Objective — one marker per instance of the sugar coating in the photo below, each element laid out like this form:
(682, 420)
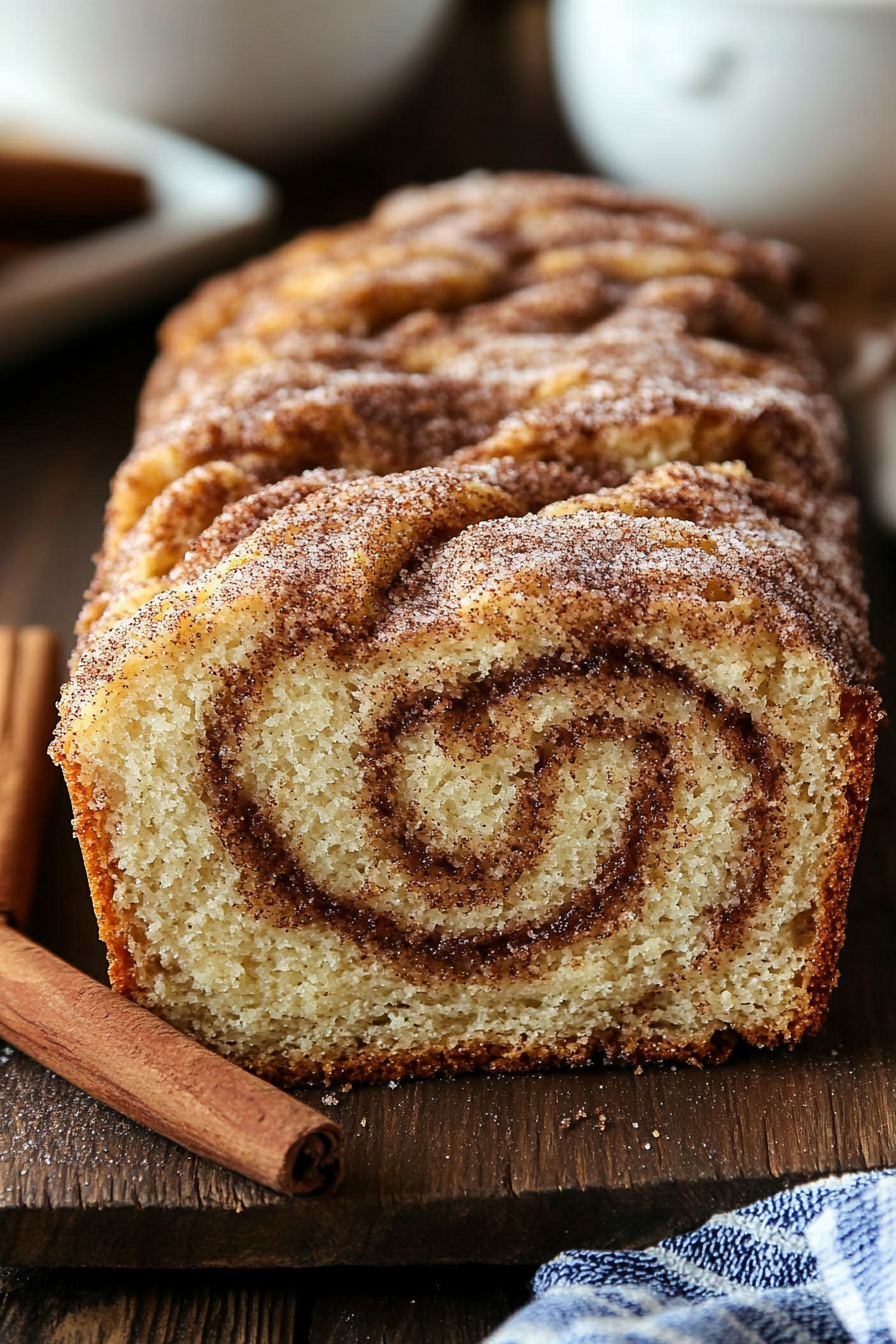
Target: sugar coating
(522, 315)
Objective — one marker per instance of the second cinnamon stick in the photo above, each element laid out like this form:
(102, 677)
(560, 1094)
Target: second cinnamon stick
(28, 688)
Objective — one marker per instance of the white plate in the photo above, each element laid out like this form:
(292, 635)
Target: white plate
(207, 209)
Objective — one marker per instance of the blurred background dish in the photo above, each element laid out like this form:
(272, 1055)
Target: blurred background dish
(191, 209)
(48, 196)
(778, 116)
(263, 79)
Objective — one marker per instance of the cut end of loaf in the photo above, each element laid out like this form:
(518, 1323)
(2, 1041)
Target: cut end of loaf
(406, 784)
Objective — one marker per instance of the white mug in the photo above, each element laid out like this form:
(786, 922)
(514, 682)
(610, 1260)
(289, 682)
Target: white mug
(262, 78)
(776, 116)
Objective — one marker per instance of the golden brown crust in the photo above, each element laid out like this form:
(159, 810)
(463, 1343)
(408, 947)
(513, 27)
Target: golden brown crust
(200, 518)
(728, 495)
(525, 315)
(371, 1066)
(319, 534)
(861, 710)
(102, 873)
(192, 523)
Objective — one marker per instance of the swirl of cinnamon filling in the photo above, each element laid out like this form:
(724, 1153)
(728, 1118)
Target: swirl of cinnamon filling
(445, 875)
(397, 775)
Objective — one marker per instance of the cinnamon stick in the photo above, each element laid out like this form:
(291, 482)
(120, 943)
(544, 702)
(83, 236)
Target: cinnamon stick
(28, 685)
(47, 196)
(138, 1064)
(112, 1048)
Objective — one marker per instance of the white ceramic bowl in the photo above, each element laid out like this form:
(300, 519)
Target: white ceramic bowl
(260, 78)
(778, 116)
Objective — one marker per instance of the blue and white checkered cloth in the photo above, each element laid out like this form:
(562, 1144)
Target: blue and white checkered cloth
(815, 1265)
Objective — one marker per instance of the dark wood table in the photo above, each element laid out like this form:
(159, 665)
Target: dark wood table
(531, 1165)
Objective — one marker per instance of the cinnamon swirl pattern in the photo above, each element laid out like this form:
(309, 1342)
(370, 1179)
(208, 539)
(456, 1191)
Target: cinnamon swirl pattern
(422, 772)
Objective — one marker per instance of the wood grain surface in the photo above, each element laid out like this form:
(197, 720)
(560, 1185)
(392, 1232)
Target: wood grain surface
(479, 1169)
(98, 1308)
(454, 1306)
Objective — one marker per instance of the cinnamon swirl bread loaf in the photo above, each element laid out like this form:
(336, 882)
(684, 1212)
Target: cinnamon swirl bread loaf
(515, 754)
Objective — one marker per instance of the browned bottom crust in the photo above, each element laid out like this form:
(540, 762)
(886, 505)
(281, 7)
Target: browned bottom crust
(486, 1057)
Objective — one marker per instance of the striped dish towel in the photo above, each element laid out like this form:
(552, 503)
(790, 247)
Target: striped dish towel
(815, 1265)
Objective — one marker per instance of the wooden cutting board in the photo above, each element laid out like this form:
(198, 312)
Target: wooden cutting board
(496, 1169)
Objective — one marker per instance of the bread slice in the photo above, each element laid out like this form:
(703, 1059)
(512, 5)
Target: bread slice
(401, 777)
(524, 315)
